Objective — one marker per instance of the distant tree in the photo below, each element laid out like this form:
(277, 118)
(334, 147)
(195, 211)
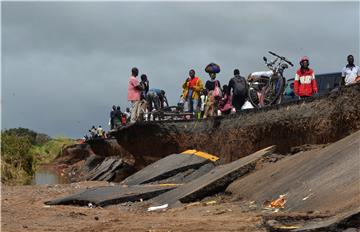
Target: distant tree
(41, 139)
(34, 137)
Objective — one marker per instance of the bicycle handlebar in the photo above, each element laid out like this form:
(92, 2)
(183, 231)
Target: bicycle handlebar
(281, 57)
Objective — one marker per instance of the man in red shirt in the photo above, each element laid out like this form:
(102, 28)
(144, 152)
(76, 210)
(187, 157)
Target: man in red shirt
(305, 83)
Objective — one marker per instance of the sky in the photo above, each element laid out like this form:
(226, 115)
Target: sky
(64, 64)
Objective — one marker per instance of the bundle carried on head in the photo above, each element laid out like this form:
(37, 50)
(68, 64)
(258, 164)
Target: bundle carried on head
(212, 68)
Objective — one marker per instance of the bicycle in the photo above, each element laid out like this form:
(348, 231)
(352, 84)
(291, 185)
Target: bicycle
(267, 87)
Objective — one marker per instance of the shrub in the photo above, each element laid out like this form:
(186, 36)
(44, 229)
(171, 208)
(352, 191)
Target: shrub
(17, 164)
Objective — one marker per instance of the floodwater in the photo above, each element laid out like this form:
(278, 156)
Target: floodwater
(45, 175)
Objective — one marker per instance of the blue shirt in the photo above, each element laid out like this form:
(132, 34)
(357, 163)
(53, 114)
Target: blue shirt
(157, 91)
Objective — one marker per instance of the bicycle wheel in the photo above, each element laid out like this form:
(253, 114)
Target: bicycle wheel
(274, 90)
(253, 97)
(254, 90)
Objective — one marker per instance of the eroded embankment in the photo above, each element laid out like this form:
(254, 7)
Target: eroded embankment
(80, 160)
(315, 121)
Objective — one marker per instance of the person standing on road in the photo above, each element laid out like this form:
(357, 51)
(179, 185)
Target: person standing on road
(351, 72)
(117, 118)
(214, 94)
(192, 87)
(305, 83)
(145, 86)
(225, 105)
(134, 91)
(100, 132)
(239, 87)
(112, 117)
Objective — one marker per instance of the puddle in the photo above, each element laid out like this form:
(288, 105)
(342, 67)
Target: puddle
(45, 175)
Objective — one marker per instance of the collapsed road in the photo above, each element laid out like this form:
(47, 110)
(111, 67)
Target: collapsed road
(133, 189)
(306, 122)
(310, 180)
(322, 180)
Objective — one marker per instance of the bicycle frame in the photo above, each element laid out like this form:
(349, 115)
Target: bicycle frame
(274, 82)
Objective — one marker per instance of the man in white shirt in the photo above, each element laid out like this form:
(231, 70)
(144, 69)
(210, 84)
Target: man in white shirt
(351, 72)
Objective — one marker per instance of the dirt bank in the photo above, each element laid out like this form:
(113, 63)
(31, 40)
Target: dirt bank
(77, 160)
(314, 121)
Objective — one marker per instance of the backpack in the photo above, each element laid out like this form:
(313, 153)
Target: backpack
(240, 86)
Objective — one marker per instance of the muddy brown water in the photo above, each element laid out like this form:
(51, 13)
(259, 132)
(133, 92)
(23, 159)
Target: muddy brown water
(45, 175)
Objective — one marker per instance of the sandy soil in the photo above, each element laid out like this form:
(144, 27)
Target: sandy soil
(23, 210)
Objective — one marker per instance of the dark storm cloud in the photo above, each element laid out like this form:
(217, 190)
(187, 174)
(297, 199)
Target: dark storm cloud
(65, 63)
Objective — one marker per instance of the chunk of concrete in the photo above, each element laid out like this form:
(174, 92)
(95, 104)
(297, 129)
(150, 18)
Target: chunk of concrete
(212, 182)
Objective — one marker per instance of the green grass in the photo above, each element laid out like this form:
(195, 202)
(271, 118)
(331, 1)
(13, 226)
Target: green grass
(47, 152)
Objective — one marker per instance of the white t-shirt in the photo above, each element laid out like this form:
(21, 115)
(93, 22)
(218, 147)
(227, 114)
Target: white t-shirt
(350, 74)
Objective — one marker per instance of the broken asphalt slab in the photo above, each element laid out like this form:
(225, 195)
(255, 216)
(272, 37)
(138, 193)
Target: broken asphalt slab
(212, 182)
(167, 167)
(309, 222)
(108, 195)
(324, 180)
(105, 170)
(187, 176)
(346, 220)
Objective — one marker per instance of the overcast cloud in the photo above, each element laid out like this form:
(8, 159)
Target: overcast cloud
(64, 64)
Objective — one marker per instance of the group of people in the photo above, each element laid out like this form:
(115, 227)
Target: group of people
(143, 98)
(118, 118)
(95, 133)
(213, 99)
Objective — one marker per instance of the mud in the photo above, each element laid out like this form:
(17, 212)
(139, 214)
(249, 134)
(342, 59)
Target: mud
(21, 201)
